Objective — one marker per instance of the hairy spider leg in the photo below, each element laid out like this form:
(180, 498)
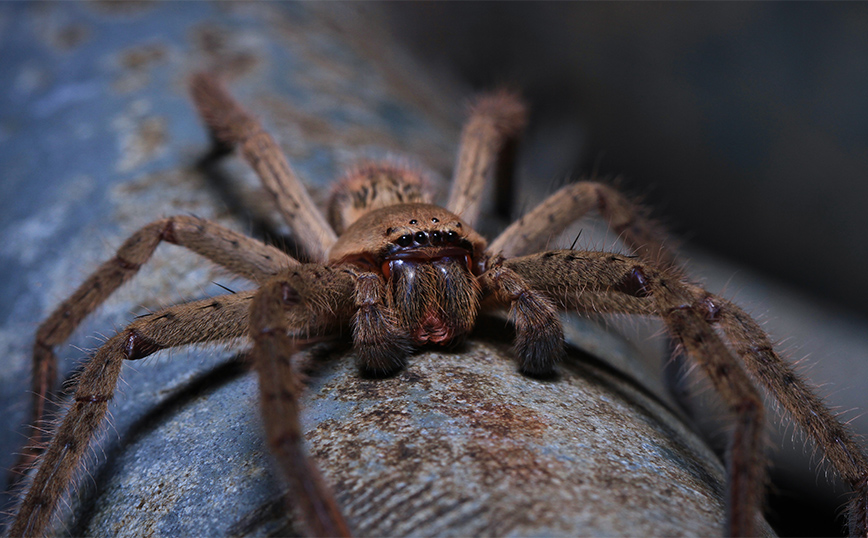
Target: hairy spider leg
(595, 282)
(231, 125)
(300, 290)
(765, 366)
(238, 253)
(630, 221)
(495, 119)
(216, 319)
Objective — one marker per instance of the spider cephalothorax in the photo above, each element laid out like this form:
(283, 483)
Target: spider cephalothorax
(403, 273)
(429, 260)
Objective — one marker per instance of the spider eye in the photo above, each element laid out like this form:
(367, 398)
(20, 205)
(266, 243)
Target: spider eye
(405, 240)
(436, 237)
(451, 236)
(421, 238)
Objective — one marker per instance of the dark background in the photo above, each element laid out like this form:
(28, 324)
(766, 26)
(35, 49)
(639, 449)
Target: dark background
(744, 125)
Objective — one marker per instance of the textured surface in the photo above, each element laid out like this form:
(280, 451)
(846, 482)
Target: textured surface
(458, 444)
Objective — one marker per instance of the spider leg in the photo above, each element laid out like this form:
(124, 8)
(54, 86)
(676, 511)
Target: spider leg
(219, 318)
(280, 389)
(531, 232)
(380, 345)
(238, 253)
(608, 283)
(806, 408)
(231, 125)
(539, 336)
(494, 119)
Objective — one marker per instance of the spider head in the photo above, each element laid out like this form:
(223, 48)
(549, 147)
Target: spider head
(429, 259)
(421, 233)
(435, 238)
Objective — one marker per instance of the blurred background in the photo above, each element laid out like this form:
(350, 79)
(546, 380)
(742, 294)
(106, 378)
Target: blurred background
(744, 125)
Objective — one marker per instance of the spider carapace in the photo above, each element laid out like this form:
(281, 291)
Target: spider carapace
(430, 260)
(403, 273)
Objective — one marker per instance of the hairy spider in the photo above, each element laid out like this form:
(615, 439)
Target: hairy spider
(403, 273)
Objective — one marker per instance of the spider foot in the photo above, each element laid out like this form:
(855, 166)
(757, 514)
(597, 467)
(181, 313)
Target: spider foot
(383, 359)
(540, 350)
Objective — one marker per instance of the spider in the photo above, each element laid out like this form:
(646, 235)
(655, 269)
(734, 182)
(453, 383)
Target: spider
(404, 273)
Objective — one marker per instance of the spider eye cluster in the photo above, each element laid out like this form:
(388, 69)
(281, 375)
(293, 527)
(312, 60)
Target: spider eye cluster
(434, 237)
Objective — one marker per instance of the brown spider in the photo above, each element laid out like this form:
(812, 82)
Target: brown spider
(404, 273)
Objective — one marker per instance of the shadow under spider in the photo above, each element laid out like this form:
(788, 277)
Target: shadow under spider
(225, 188)
(199, 386)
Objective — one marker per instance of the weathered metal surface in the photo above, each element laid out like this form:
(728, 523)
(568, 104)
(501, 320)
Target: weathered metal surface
(457, 444)
(99, 139)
